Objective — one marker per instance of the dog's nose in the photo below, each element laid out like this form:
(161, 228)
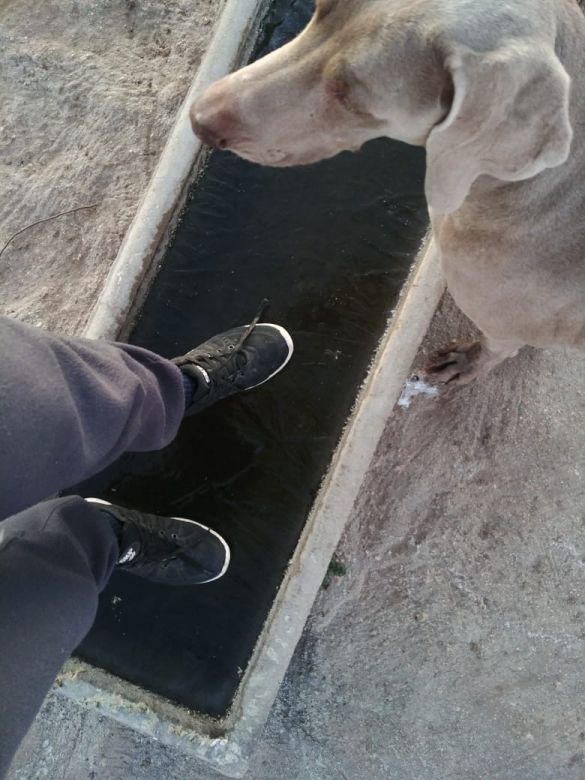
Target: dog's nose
(213, 117)
(208, 134)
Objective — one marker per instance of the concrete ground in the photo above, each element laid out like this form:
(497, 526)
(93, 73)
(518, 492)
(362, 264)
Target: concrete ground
(453, 645)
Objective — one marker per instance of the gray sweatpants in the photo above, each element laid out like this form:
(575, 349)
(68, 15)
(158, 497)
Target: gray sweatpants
(68, 408)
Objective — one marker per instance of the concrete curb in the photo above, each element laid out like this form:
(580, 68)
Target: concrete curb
(337, 496)
(171, 177)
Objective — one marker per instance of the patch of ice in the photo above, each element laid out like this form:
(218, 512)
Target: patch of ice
(416, 386)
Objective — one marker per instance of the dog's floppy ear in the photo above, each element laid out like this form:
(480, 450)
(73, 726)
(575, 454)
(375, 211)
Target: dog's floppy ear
(509, 119)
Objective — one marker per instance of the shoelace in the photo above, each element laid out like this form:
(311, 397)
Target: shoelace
(149, 539)
(151, 548)
(156, 544)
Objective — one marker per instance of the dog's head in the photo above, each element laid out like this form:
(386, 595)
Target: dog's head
(479, 84)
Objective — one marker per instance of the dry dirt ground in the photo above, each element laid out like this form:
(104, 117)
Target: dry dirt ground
(88, 92)
(453, 646)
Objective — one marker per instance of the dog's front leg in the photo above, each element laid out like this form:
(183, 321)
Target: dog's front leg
(458, 364)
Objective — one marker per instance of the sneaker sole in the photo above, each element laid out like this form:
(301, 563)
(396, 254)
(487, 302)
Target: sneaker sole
(291, 348)
(228, 554)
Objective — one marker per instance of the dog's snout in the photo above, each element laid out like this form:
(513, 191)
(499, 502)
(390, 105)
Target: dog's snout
(208, 134)
(213, 117)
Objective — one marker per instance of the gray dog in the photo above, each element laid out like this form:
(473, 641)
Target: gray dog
(495, 91)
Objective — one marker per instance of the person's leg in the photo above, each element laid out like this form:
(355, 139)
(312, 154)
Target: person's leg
(70, 407)
(55, 558)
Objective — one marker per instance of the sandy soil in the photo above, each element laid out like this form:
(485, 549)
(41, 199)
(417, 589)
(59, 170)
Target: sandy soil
(88, 92)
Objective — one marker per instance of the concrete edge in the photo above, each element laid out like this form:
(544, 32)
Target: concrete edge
(337, 496)
(152, 715)
(173, 172)
(227, 745)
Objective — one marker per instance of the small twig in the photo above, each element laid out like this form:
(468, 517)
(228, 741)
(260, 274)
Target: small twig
(259, 314)
(47, 219)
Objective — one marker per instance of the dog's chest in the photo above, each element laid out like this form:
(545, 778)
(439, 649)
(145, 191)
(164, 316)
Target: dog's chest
(511, 291)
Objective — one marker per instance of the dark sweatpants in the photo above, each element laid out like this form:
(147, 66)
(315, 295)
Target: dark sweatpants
(68, 408)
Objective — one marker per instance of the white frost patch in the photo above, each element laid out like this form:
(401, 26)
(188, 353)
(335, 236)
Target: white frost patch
(416, 386)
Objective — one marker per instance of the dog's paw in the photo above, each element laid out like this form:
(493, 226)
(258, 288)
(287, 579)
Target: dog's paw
(456, 364)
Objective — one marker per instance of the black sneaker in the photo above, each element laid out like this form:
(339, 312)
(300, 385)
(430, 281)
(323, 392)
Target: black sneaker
(168, 550)
(235, 361)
